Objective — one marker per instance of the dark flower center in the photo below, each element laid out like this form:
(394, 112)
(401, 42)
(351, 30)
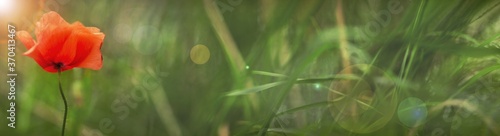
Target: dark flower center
(58, 65)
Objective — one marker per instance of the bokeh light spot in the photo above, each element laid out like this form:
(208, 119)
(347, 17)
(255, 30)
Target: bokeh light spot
(412, 112)
(122, 33)
(6, 6)
(200, 54)
(317, 86)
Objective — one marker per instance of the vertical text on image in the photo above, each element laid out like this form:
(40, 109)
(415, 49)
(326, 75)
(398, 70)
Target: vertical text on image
(11, 75)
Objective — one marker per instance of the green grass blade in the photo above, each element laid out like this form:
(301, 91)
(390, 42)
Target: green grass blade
(304, 107)
(254, 89)
(265, 73)
(476, 77)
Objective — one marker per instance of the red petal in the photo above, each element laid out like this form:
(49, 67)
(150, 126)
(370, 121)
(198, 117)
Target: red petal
(48, 23)
(96, 32)
(51, 47)
(89, 48)
(37, 56)
(32, 52)
(69, 49)
(26, 39)
(93, 29)
(93, 60)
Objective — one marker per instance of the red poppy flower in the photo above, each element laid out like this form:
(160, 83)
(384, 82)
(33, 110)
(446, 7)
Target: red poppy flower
(63, 46)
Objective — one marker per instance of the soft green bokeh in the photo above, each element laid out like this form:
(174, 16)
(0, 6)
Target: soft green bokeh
(412, 112)
(272, 66)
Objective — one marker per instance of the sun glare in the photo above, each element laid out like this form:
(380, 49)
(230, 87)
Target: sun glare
(6, 6)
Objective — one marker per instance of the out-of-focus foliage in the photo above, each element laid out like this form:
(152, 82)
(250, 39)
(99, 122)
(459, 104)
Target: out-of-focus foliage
(274, 68)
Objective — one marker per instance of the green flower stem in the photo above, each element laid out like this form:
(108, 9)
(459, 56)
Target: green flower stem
(65, 103)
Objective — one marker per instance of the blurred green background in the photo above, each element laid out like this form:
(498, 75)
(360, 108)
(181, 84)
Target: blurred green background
(268, 67)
